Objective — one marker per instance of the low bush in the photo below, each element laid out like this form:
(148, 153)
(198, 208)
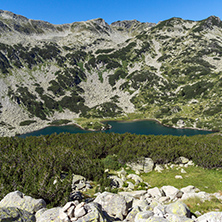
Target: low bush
(27, 122)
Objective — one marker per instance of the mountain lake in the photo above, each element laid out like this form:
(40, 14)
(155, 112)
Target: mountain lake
(141, 127)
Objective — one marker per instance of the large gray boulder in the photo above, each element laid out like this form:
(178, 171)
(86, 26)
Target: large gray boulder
(190, 189)
(116, 182)
(156, 219)
(155, 193)
(193, 192)
(73, 211)
(135, 177)
(132, 214)
(176, 218)
(143, 216)
(159, 210)
(171, 192)
(11, 214)
(178, 208)
(44, 215)
(114, 204)
(19, 200)
(145, 165)
(142, 203)
(78, 182)
(135, 194)
(210, 217)
(182, 160)
(94, 214)
(148, 165)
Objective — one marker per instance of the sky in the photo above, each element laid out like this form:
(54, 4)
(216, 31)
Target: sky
(68, 11)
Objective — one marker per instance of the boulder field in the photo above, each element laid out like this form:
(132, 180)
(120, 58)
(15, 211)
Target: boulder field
(152, 205)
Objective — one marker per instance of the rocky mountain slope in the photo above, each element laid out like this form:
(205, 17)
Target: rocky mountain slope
(170, 71)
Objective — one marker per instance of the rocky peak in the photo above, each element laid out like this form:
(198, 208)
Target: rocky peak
(213, 20)
(125, 24)
(132, 27)
(23, 25)
(208, 24)
(93, 26)
(99, 21)
(10, 15)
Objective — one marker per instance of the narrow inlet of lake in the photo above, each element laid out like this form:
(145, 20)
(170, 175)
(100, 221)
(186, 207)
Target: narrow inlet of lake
(143, 127)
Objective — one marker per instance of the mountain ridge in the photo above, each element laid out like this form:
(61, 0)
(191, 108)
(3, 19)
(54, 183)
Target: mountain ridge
(169, 71)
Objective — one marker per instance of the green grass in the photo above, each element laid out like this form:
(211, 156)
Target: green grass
(204, 179)
(90, 124)
(197, 204)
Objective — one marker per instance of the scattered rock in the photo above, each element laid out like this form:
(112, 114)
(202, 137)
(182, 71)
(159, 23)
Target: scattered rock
(132, 214)
(94, 214)
(135, 177)
(178, 208)
(142, 204)
(143, 165)
(80, 210)
(183, 171)
(78, 182)
(116, 182)
(19, 200)
(138, 172)
(134, 194)
(180, 123)
(182, 160)
(130, 185)
(171, 192)
(157, 219)
(164, 199)
(148, 165)
(159, 211)
(76, 195)
(178, 177)
(114, 204)
(210, 217)
(155, 192)
(158, 168)
(139, 206)
(190, 189)
(176, 218)
(9, 214)
(143, 216)
(122, 173)
(190, 163)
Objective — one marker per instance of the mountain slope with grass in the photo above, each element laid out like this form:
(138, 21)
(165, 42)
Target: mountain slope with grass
(170, 71)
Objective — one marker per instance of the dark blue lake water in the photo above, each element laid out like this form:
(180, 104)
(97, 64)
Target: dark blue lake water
(136, 127)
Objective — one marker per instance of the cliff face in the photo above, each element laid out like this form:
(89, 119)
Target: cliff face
(170, 71)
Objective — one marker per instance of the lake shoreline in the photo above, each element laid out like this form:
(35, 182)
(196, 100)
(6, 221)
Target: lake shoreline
(174, 127)
(117, 121)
